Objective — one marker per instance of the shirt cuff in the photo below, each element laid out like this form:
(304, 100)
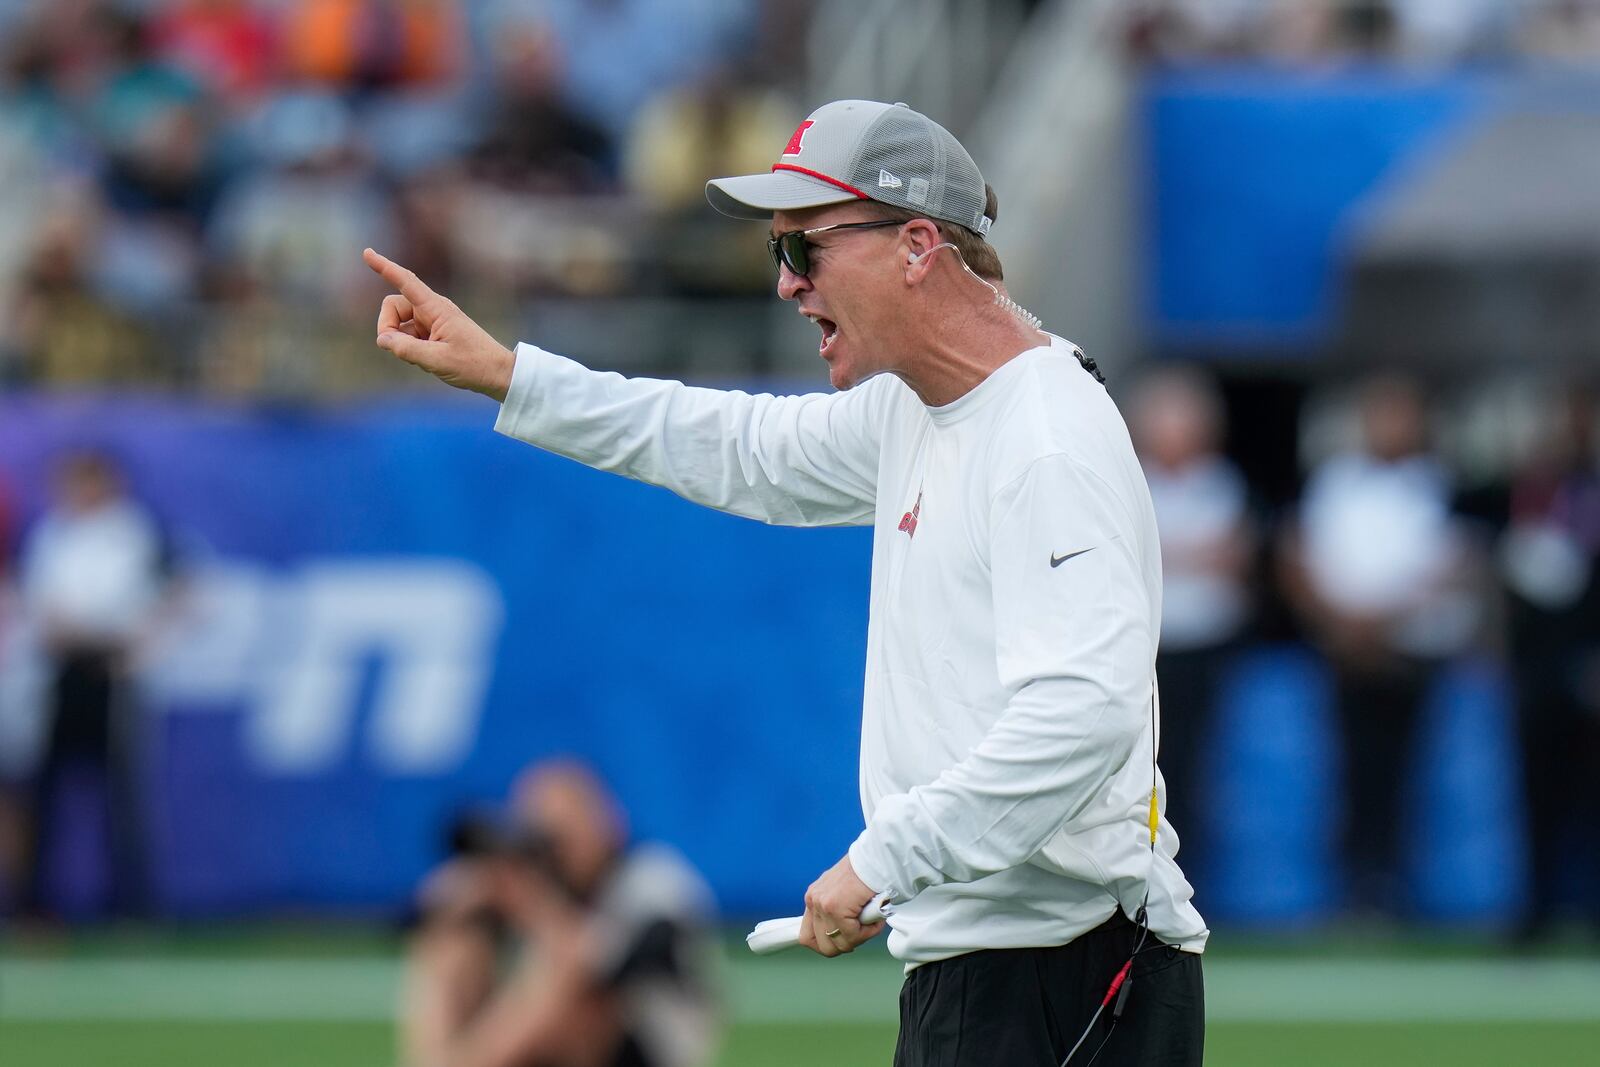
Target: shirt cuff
(877, 875)
(521, 407)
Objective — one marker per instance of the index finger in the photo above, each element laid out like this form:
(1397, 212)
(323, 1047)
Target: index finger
(409, 284)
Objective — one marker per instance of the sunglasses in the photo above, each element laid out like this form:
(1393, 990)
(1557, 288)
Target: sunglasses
(792, 250)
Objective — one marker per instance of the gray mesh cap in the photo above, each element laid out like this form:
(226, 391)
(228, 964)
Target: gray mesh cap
(863, 150)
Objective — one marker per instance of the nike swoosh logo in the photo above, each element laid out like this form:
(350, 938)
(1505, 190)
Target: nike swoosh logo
(1056, 561)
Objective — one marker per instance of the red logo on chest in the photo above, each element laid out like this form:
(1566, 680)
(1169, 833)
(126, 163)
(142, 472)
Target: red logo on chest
(909, 523)
(793, 147)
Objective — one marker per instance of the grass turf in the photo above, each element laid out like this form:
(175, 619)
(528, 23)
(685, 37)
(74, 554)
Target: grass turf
(264, 996)
(365, 1044)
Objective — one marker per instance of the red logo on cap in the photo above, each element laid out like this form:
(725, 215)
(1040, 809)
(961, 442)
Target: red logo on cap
(793, 147)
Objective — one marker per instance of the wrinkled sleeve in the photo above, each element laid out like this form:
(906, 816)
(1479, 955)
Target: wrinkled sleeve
(809, 460)
(1075, 646)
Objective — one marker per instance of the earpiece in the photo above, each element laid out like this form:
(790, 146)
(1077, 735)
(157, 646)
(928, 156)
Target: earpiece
(913, 257)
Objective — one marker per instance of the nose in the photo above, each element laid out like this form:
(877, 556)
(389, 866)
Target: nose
(790, 284)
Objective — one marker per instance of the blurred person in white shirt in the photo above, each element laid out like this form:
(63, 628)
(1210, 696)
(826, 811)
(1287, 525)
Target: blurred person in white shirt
(1207, 545)
(93, 575)
(1375, 566)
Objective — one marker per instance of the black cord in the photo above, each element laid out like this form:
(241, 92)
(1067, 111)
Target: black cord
(1103, 1042)
(1142, 917)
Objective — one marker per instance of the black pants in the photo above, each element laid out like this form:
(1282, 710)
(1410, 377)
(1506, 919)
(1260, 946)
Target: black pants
(1561, 764)
(1190, 680)
(89, 728)
(1380, 710)
(1026, 1007)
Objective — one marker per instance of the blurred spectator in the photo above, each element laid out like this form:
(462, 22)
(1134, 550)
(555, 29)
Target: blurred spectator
(719, 125)
(64, 332)
(1376, 568)
(130, 90)
(1452, 29)
(1301, 31)
(1207, 544)
(620, 53)
(92, 576)
(372, 43)
(157, 175)
(1550, 563)
(533, 142)
(25, 175)
(610, 939)
(1563, 29)
(294, 230)
(1319, 31)
(227, 46)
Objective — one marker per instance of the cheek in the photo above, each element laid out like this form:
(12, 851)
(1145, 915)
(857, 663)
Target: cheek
(860, 302)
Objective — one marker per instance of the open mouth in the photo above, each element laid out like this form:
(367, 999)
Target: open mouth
(830, 331)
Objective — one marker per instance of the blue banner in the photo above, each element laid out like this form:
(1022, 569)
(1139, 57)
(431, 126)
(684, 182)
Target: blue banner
(388, 611)
(1254, 175)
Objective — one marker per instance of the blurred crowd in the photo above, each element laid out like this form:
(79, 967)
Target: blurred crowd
(1392, 569)
(1321, 31)
(189, 183)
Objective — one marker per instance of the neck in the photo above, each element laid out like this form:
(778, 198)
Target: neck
(961, 344)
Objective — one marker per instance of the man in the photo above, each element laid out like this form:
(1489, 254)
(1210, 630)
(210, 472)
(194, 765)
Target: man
(610, 936)
(1378, 569)
(93, 575)
(1549, 565)
(1207, 545)
(1008, 729)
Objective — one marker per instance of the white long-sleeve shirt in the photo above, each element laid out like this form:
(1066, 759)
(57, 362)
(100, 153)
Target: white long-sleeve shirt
(1008, 718)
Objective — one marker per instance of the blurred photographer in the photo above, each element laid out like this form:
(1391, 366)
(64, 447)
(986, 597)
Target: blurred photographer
(550, 941)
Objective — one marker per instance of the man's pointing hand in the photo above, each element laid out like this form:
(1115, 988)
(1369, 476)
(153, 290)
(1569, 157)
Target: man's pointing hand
(425, 329)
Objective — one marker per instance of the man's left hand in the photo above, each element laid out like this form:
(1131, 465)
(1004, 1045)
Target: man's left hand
(832, 924)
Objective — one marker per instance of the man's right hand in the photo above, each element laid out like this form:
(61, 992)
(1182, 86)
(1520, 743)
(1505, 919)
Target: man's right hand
(428, 331)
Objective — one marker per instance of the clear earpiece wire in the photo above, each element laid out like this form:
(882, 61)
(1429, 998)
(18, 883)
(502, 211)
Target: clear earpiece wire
(1005, 302)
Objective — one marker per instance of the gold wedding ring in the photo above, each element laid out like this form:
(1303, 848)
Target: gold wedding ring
(830, 933)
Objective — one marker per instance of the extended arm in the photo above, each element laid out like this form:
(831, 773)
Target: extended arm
(801, 460)
(792, 460)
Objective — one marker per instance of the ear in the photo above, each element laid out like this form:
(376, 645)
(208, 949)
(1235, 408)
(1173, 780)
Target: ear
(917, 237)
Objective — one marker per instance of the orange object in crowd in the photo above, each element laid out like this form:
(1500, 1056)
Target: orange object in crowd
(371, 41)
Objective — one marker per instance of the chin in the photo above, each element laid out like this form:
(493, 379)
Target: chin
(843, 377)
(842, 371)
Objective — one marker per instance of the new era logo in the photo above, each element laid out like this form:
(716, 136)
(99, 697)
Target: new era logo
(888, 181)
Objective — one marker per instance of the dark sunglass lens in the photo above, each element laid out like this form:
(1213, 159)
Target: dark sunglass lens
(793, 247)
(772, 250)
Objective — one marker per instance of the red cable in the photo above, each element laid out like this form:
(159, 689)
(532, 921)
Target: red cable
(1116, 983)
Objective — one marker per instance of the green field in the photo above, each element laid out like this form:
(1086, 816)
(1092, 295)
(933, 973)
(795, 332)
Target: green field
(266, 998)
(162, 1044)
